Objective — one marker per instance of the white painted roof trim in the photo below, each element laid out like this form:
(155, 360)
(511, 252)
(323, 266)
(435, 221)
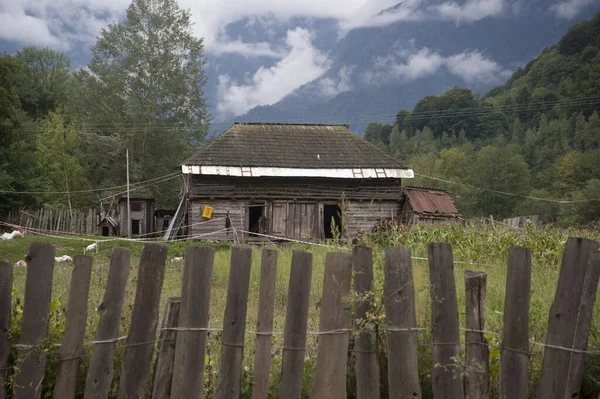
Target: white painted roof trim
(358, 173)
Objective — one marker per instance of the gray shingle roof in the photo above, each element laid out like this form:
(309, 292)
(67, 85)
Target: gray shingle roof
(291, 146)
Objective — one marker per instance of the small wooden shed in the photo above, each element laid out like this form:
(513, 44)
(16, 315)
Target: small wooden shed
(141, 220)
(294, 181)
(427, 206)
(108, 227)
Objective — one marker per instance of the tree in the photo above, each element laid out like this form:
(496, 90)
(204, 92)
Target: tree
(44, 80)
(59, 168)
(145, 83)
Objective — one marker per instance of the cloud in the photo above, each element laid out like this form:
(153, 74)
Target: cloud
(330, 87)
(261, 49)
(568, 9)
(471, 66)
(302, 64)
(471, 10)
(37, 32)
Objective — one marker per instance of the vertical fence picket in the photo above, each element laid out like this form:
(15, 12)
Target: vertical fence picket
(444, 323)
(234, 324)
(569, 319)
(477, 353)
(367, 365)
(515, 338)
(31, 363)
(264, 324)
(399, 302)
(144, 320)
(101, 370)
(6, 280)
(296, 323)
(332, 357)
(163, 371)
(72, 343)
(188, 370)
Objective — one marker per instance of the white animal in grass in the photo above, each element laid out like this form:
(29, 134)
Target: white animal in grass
(64, 258)
(177, 259)
(20, 263)
(92, 247)
(10, 236)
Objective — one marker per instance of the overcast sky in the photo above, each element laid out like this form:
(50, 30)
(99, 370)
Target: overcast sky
(69, 24)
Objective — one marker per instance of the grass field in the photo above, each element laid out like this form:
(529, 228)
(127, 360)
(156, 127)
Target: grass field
(477, 247)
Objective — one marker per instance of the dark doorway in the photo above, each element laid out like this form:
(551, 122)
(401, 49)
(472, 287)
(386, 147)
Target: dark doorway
(332, 212)
(135, 227)
(105, 231)
(256, 219)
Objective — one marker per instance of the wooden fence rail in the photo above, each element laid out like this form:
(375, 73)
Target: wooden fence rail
(178, 370)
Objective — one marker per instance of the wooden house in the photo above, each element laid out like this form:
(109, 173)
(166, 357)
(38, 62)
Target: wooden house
(288, 180)
(427, 206)
(141, 219)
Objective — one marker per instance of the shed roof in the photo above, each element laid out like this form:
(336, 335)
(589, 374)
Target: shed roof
(109, 220)
(291, 146)
(424, 200)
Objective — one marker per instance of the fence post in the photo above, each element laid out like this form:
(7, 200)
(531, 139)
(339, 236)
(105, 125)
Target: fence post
(569, 320)
(190, 350)
(163, 372)
(72, 343)
(101, 371)
(365, 345)
(34, 326)
(332, 357)
(399, 302)
(296, 323)
(477, 353)
(444, 323)
(144, 319)
(234, 324)
(515, 338)
(6, 279)
(264, 324)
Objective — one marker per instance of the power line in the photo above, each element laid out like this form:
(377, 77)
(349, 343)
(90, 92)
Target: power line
(507, 193)
(170, 175)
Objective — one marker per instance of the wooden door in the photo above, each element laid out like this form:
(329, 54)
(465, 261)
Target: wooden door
(279, 218)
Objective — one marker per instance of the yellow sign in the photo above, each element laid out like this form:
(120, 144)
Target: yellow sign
(207, 212)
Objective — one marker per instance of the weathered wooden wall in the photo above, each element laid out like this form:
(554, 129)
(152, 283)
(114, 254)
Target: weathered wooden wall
(298, 189)
(363, 216)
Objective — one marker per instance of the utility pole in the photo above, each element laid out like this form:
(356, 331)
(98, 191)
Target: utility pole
(128, 205)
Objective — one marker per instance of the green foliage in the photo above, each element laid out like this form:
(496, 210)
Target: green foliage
(537, 136)
(144, 91)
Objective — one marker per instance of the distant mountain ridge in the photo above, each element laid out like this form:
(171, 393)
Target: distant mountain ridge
(509, 41)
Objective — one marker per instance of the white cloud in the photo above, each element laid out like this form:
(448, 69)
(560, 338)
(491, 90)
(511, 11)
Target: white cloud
(37, 32)
(330, 87)
(568, 9)
(302, 64)
(471, 10)
(261, 49)
(471, 66)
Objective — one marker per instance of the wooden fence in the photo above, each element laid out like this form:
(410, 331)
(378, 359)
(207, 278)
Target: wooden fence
(62, 220)
(179, 366)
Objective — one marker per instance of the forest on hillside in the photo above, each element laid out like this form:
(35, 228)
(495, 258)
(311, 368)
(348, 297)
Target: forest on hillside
(537, 137)
(64, 132)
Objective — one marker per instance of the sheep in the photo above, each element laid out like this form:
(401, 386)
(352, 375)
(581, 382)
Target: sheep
(64, 258)
(10, 236)
(20, 263)
(91, 247)
(177, 259)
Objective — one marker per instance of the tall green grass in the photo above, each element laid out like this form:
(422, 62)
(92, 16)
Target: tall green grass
(476, 247)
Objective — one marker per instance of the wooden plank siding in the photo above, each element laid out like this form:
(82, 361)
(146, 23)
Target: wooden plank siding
(293, 207)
